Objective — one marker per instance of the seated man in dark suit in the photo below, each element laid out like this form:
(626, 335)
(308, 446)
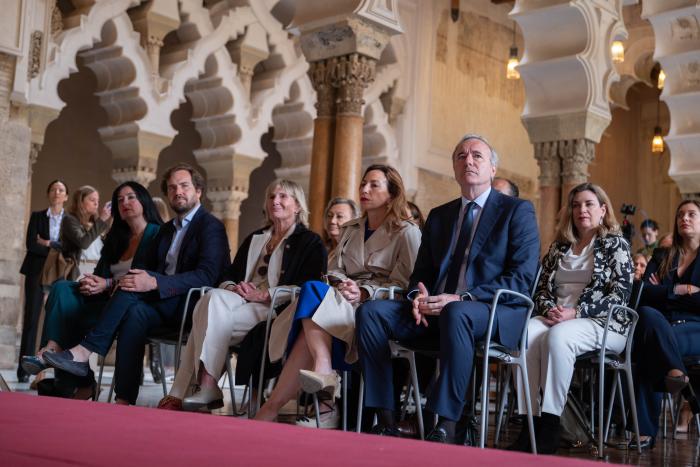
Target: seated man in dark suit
(191, 251)
(471, 247)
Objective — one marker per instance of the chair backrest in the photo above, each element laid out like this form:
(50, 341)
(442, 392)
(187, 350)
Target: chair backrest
(636, 295)
(533, 289)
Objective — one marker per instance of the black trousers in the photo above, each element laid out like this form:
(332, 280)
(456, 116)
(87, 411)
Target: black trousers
(659, 346)
(133, 317)
(459, 327)
(33, 299)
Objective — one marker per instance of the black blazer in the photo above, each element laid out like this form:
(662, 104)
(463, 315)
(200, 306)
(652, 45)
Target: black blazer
(503, 255)
(204, 254)
(675, 307)
(304, 259)
(36, 254)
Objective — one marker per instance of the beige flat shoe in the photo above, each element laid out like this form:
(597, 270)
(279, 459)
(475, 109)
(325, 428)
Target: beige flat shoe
(316, 383)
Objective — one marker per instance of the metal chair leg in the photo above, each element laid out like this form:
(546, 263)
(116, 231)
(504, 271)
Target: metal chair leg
(163, 376)
(502, 404)
(231, 385)
(633, 406)
(416, 393)
(360, 402)
(613, 392)
(317, 408)
(344, 384)
(99, 379)
(522, 366)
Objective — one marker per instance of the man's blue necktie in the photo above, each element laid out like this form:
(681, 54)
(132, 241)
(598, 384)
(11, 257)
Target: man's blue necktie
(458, 253)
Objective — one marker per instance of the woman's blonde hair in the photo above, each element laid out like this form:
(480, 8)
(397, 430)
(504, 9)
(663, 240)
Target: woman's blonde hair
(76, 205)
(293, 189)
(566, 230)
(397, 207)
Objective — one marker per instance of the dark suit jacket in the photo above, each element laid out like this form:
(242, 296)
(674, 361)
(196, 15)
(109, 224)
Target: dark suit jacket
(661, 297)
(204, 254)
(504, 254)
(304, 259)
(36, 254)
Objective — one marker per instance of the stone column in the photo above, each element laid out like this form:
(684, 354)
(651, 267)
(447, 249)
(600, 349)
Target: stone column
(351, 74)
(226, 205)
(15, 144)
(322, 146)
(550, 185)
(575, 157)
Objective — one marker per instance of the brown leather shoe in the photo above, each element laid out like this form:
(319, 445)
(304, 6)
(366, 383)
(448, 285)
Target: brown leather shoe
(170, 403)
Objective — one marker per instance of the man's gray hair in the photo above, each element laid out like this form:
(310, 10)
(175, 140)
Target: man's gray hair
(467, 137)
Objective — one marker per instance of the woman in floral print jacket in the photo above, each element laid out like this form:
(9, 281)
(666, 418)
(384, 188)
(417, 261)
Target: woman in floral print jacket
(587, 270)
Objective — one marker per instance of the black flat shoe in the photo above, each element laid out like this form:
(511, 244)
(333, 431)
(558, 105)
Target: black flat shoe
(64, 361)
(383, 430)
(439, 435)
(645, 444)
(675, 384)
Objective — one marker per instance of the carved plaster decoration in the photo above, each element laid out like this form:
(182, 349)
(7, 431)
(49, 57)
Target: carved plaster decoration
(248, 51)
(35, 55)
(351, 74)
(56, 21)
(686, 28)
(677, 34)
(7, 69)
(567, 81)
(547, 155)
(576, 155)
(34, 151)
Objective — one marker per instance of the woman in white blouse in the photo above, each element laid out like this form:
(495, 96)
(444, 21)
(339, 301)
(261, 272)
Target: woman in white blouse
(587, 270)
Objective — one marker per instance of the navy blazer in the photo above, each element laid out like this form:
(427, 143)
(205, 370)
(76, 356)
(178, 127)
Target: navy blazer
(36, 254)
(204, 254)
(504, 254)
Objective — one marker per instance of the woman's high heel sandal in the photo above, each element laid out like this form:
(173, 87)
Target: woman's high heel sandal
(326, 385)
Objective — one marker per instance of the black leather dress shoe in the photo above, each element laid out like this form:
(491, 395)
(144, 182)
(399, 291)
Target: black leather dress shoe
(64, 361)
(22, 377)
(32, 365)
(439, 435)
(383, 430)
(645, 444)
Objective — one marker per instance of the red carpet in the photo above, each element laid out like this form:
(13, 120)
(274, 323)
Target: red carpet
(43, 431)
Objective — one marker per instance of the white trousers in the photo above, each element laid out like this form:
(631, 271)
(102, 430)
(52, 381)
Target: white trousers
(551, 355)
(220, 319)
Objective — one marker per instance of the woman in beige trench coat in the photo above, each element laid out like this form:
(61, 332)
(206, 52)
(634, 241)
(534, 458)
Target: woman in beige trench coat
(375, 250)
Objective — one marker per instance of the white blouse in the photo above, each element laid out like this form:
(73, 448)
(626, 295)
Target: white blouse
(573, 275)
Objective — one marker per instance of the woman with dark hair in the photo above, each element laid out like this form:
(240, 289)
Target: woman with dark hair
(43, 233)
(587, 270)
(669, 322)
(284, 253)
(74, 307)
(81, 229)
(375, 250)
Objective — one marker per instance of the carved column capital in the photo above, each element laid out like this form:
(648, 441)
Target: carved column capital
(351, 74)
(320, 75)
(576, 155)
(226, 201)
(547, 156)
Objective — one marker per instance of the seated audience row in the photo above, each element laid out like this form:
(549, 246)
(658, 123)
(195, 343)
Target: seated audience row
(448, 275)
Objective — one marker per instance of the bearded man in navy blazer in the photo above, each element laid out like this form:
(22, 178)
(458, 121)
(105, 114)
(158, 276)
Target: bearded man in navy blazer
(191, 251)
(471, 247)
